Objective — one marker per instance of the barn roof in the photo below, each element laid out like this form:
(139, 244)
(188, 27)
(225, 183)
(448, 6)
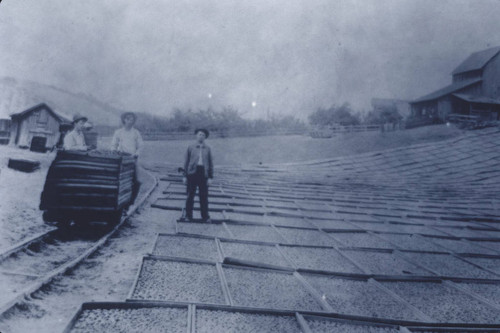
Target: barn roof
(447, 90)
(59, 117)
(477, 60)
(477, 99)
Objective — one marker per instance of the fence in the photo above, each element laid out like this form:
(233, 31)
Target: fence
(159, 136)
(329, 132)
(413, 122)
(473, 121)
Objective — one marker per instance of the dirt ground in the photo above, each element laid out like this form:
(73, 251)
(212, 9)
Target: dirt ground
(109, 274)
(20, 196)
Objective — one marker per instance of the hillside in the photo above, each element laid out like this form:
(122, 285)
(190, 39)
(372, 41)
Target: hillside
(17, 96)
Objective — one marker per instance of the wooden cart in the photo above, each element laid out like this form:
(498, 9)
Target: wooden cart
(88, 186)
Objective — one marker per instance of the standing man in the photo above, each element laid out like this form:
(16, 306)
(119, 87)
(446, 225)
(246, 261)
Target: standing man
(128, 140)
(75, 140)
(199, 168)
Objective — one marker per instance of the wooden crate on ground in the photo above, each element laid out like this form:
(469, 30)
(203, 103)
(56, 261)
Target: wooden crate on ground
(23, 165)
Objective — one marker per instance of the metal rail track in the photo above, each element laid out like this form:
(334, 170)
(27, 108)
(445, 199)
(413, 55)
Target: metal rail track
(68, 265)
(5, 253)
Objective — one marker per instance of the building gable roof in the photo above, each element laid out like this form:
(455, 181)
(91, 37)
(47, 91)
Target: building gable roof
(476, 60)
(477, 99)
(60, 118)
(447, 90)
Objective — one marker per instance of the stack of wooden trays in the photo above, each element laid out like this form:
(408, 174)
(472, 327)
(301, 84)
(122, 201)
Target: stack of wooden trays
(89, 181)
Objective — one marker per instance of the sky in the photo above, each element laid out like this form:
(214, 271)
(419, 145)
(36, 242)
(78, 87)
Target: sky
(282, 57)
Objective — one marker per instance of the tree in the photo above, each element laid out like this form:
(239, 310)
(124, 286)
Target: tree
(334, 115)
(383, 115)
(224, 121)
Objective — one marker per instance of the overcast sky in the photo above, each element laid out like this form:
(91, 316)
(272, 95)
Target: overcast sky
(287, 56)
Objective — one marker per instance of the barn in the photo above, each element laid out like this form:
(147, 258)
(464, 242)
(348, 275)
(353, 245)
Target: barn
(474, 91)
(36, 127)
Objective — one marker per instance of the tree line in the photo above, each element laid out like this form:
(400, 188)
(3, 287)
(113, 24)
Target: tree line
(225, 120)
(344, 115)
(229, 120)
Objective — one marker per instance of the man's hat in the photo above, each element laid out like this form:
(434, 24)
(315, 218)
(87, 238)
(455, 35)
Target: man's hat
(126, 114)
(77, 117)
(202, 130)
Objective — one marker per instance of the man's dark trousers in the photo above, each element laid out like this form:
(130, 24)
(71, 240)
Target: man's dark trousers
(193, 181)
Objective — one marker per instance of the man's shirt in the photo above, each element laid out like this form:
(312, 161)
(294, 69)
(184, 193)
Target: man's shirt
(75, 140)
(192, 159)
(127, 141)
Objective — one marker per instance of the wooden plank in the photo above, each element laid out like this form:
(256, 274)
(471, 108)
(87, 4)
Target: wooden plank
(220, 252)
(113, 165)
(224, 285)
(302, 323)
(136, 279)
(19, 274)
(88, 201)
(80, 208)
(94, 156)
(355, 320)
(191, 325)
(86, 195)
(74, 319)
(178, 259)
(82, 180)
(256, 264)
(70, 166)
(132, 305)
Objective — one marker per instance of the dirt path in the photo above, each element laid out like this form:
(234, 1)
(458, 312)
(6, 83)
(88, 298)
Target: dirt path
(106, 275)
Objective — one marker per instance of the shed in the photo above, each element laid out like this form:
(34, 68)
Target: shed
(39, 125)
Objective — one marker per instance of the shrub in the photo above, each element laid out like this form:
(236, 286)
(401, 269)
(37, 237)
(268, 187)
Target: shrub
(334, 115)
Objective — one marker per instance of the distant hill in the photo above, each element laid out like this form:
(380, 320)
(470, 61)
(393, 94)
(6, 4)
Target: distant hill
(17, 95)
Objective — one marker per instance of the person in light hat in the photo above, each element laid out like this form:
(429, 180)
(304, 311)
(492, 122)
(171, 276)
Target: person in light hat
(75, 140)
(198, 166)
